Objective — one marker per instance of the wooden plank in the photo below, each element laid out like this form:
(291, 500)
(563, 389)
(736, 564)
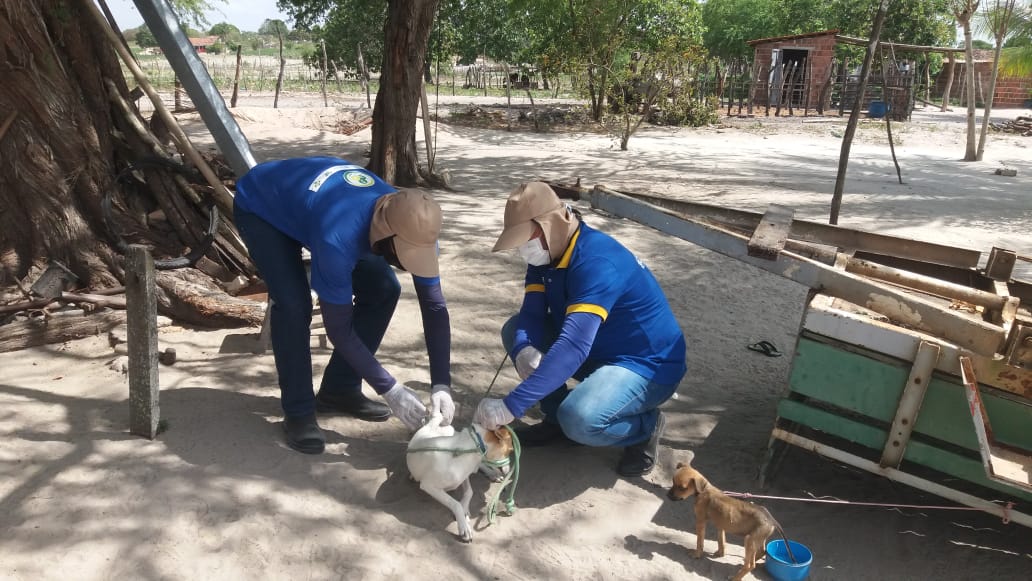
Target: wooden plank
(910, 403)
(975, 335)
(824, 318)
(142, 337)
(967, 469)
(57, 328)
(872, 386)
(819, 233)
(768, 240)
(1006, 513)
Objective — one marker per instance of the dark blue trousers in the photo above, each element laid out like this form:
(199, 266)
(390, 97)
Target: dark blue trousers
(278, 259)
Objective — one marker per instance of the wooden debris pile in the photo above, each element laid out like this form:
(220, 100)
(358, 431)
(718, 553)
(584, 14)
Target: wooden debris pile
(354, 123)
(1021, 126)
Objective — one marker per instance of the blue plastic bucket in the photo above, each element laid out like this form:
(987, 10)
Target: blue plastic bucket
(877, 109)
(780, 565)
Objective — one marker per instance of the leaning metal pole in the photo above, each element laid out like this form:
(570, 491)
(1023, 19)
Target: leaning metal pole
(162, 22)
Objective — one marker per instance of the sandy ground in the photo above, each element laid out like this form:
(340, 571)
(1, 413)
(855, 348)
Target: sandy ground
(218, 495)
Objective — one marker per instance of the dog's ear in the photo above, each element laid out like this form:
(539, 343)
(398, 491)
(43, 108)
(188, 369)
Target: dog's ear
(700, 483)
(681, 465)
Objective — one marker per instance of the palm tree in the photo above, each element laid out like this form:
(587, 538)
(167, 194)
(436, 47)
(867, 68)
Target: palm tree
(997, 19)
(1016, 58)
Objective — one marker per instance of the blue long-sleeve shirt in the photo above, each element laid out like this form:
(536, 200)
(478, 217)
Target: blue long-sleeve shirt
(327, 204)
(609, 310)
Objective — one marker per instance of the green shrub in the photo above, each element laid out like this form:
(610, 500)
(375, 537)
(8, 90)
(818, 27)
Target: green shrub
(686, 113)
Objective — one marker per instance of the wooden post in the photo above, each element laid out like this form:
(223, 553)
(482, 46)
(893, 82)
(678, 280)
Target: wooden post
(282, 67)
(430, 152)
(236, 79)
(808, 82)
(177, 94)
(325, 71)
(754, 71)
(854, 115)
(845, 81)
(142, 338)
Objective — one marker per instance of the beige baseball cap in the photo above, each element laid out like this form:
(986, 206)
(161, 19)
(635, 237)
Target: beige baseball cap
(536, 202)
(414, 219)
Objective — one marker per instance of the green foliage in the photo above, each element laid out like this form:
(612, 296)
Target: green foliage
(347, 24)
(687, 113)
(273, 27)
(192, 11)
(731, 23)
(226, 31)
(1016, 59)
(145, 38)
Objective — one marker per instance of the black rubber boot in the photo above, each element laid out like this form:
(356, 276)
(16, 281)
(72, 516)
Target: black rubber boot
(304, 435)
(353, 404)
(640, 459)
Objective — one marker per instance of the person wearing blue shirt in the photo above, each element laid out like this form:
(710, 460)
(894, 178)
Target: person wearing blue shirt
(592, 312)
(356, 227)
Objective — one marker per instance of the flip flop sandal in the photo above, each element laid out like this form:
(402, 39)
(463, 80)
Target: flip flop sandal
(765, 347)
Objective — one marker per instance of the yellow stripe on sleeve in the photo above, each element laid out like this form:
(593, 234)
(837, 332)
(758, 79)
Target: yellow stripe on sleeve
(586, 308)
(534, 288)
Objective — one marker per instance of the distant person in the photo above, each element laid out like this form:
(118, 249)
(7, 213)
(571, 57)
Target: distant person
(593, 312)
(356, 227)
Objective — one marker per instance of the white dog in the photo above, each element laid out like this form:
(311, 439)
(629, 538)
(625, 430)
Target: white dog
(441, 459)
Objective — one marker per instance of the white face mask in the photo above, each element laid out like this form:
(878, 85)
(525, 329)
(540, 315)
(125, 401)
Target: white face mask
(533, 251)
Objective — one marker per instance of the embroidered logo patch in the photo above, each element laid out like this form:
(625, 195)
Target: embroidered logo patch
(359, 179)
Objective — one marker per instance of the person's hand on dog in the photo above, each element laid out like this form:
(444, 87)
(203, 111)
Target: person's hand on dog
(406, 406)
(492, 414)
(441, 403)
(526, 361)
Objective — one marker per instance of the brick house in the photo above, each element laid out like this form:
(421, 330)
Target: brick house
(1010, 91)
(201, 44)
(800, 62)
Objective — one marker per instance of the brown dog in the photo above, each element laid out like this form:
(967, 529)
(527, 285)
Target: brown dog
(728, 514)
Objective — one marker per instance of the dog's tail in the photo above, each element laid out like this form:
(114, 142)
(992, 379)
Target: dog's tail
(777, 525)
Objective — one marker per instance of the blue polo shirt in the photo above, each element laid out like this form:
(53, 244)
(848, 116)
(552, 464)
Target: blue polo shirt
(636, 329)
(326, 204)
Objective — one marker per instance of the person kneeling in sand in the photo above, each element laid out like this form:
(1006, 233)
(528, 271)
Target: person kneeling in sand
(594, 312)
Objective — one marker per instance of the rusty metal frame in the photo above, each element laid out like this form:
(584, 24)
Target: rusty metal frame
(1002, 463)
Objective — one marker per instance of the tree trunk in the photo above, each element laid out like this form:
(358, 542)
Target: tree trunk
(67, 140)
(282, 66)
(854, 113)
(970, 149)
(393, 153)
(949, 82)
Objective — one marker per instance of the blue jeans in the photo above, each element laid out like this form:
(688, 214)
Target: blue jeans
(612, 406)
(278, 258)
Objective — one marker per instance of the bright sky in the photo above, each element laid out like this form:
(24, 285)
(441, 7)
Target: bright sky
(247, 15)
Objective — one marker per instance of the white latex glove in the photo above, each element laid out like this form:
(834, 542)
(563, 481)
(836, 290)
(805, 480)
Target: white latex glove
(406, 406)
(492, 414)
(441, 403)
(526, 361)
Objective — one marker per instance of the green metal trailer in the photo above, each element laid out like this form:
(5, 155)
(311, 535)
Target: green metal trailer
(913, 361)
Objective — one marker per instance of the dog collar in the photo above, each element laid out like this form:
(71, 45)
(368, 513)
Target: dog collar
(477, 440)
